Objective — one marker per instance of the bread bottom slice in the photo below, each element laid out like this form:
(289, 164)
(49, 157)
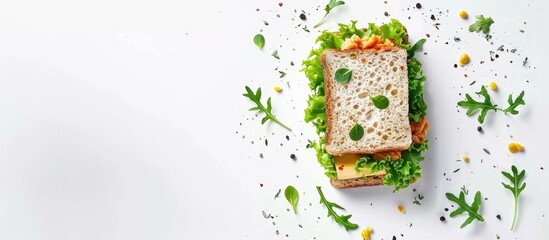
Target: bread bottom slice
(374, 180)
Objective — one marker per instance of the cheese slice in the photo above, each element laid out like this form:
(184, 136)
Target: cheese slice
(345, 167)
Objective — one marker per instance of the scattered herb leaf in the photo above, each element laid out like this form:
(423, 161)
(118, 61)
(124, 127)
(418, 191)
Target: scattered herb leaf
(486, 151)
(259, 41)
(278, 193)
(256, 98)
(472, 209)
(331, 5)
(464, 190)
(343, 219)
(292, 196)
(282, 74)
(457, 39)
(417, 199)
(482, 24)
(525, 61)
(472, 106)
(265, 215)
(356, 132)
(473, 82)
(275, 54)
(516, 189)
(380, 101)
(343, 75)
(436, 25)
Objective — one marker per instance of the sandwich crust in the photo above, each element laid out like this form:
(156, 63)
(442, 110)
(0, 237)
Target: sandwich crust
(369, 181)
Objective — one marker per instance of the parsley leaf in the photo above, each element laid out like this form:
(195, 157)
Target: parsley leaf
(472, 106)
(343, 219)
(515, 189)
(482, 24)
(256, 98)
(331, 5)
(472, 209)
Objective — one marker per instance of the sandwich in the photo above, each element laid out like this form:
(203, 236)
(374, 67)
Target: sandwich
(367, 105)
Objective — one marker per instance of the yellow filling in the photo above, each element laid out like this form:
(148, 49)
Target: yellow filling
(345, 167)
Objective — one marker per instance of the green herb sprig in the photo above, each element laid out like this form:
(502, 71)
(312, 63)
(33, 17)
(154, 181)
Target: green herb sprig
(331, 5)
(482, 24)
(259, 41)
(343, 75)
(472, 106)
(380, 102)
(343, 219)
(357, 132)
(472, 209)
(516, 189)
(292, 196)
(256, 98)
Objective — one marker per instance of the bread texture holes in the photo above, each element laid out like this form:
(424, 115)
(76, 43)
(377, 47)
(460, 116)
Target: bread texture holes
(362, 95)
(376, 124)
(391, 63)
(355, 106)
(370, 130)
(388, 87)
(385, 137)
(394, 69)
(394, 92)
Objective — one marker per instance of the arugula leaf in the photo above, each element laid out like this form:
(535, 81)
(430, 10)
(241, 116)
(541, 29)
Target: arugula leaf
(473, 106)
(514, 104)
(292, 196)
(515, 179)
(331, 5)
(380, 102)
(343, 219)
(259, 41)
(472, 209)
(482, 24)
(412, 51)
(256, 98)
(356, 133)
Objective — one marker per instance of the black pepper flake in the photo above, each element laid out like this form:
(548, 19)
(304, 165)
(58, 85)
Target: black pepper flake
(418, 5)
(302, 16)
(261, 184)
(287, 137)
(446, 209)
(292, 156)
(455, 65)
(442, 218)
(498, 217)
(433, 17)
(266, 142)
(479, 129)
(394, 238)
(486, 151)
(457, 170)
(386, 14)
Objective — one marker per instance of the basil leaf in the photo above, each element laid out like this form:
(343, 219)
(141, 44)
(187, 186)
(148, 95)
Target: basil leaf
(259, 41)
(292, 196)
(343, 75)
(380, 101)
(356, 132)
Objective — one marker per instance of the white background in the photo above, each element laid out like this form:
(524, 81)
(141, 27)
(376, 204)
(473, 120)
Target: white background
(125, 120)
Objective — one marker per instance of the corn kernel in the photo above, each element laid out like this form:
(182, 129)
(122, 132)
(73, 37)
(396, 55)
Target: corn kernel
(463, 14)
(463, 59)
(277, 89)
(466, 159)
(513, 147)
(519, 146)
(493, 86)
(366, 233)
(401, 208)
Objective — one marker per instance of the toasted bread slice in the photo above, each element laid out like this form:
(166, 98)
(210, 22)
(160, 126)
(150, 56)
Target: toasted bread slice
(374, 72)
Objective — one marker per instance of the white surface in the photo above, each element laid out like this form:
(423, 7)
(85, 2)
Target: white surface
(121, 120)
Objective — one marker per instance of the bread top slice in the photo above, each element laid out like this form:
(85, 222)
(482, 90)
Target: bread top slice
(374, 72)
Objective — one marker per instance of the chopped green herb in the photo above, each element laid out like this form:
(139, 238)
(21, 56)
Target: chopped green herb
(457, 39)
(516, 189)
(275, 54)
(472, 106)
(356, 132)
(380, 101)
(472, 209)
(331, 5)
(343, 219)
(282, 74)
(256, 98)
(486, 151)
(259, 41)
(417, 199)
(482, 24)
(436, 25)
(292, 196)
(265, 215)
(464, 190)
(343, 75)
